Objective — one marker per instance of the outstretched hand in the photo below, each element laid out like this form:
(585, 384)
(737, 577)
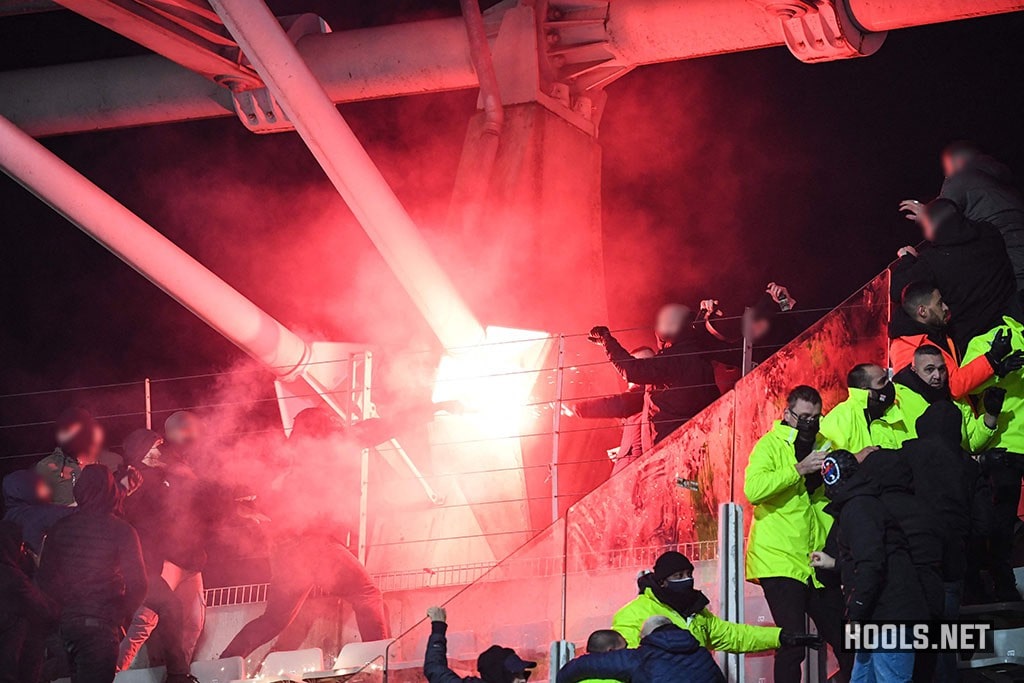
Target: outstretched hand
(437, 614)
(599, 334)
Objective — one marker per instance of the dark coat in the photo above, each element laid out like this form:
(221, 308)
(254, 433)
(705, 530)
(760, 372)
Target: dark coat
(668, 655)
(967, 262)
(92, 563)
(435, 661)
(23, 507)
(683, 382)
(921, 526)
(879, 579)
(627, 406)
(984, 191)
(19, 598)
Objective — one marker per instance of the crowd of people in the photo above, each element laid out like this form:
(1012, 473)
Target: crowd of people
(898, 505)
(101, 554)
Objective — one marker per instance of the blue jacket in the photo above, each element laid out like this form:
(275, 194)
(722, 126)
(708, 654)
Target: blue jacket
(668, 655)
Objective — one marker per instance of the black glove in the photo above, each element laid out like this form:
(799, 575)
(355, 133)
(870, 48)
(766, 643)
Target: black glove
(1000, 346)
(993, 400)
(599, 335)
(1011, 363)
(994, 457)
(810, 640)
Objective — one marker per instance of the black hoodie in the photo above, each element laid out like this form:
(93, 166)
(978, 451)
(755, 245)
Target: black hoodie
(967, 262)
(880, 581)
(984, 191)
(19, 598)
(91, 562)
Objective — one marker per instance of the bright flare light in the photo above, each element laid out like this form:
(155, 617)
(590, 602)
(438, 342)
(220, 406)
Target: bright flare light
(494, 380)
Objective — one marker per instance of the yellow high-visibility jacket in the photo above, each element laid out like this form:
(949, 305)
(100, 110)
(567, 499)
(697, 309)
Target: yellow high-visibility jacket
(976, 434)
(789, 523)
(710, 631)
(846, 425)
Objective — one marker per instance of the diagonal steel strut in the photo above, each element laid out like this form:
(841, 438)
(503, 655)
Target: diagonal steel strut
(350, 169)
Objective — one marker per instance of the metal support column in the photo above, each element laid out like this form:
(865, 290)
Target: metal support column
(731, 577)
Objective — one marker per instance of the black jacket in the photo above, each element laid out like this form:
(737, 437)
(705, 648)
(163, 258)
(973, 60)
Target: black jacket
(19, 598)
(942, 480)
(984, 191)
(968, 263)
(435, 661)
(23, 507)
(879, 579)
(921, 526)
(91, 563)
(683, 381)
(667, 655)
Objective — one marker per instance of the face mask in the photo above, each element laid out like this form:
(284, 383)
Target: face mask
(680, 585)
(884, 397)
(807, 427)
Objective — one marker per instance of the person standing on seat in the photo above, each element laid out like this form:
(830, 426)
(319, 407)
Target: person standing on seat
(682, 382)
(668, 591)
(871, 414)
(496, 664)
(667, 654)
(92, 566)
(783, 483)
(984, 190)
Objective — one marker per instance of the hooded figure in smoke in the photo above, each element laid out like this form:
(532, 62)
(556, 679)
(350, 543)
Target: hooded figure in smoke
(92, 566)
(681, 380)
(308, 541)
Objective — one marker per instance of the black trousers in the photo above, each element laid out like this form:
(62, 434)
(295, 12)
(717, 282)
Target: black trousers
(791, 602)
(1005, 481)
(92, 649)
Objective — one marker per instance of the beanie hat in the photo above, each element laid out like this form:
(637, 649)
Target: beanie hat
(671, 563)
(836, 471)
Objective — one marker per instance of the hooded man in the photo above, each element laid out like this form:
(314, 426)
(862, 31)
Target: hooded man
(154, 512)
(666, 654)
(79, 443)
(880, 582)
(496, 664)
(923, 320)
(92, 566)
(668, 591)
(870, 416)
(967, 262)
(682, 382)
(783, 483)
(27, 504)
(307, 546)
(25, 613)
(1005, 472)
(984, 190)
(926, 382)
